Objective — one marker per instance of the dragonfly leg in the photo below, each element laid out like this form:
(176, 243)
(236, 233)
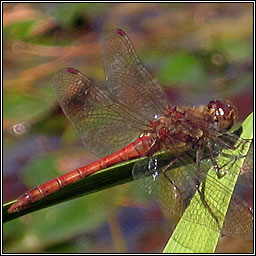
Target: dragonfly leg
(166, 168)
(201, 190)
(214, 162)
(217, 167)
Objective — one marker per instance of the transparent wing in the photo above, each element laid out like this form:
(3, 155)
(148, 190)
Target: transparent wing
(175, 187)
(239, 218)
(104, 126)
(132, 84)
(110, 115)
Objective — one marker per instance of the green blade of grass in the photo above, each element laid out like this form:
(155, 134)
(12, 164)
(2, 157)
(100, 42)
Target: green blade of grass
(190, 237)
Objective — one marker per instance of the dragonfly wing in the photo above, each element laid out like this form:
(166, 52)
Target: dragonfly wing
(104, 126)
(239, 220)
(132, 84)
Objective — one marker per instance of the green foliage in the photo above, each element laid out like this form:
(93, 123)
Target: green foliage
(18, 31)
(66, 14)
(182, 67)
(20, 105)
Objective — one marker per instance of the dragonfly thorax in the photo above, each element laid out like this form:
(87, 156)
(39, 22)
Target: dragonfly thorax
(184, 127)
(168, 130)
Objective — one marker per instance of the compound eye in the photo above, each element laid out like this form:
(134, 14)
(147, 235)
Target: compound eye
(212, 106)
(224, 113)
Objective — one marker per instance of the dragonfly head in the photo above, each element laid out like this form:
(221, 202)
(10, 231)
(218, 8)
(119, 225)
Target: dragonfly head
(224, 113)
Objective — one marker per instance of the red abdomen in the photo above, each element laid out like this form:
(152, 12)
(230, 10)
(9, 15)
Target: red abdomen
(136, 149)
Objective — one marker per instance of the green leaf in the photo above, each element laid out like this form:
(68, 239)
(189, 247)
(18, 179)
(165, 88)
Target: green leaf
(191, 237)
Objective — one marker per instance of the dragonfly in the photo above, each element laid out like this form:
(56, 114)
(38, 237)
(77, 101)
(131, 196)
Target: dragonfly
(128, 116)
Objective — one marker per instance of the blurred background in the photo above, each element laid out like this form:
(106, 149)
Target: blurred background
(197, 51)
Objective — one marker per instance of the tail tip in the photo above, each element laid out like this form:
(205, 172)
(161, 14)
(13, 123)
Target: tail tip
(15, 207)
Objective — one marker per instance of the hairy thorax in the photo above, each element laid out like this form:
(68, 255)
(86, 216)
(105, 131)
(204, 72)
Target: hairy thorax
(182, 127)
